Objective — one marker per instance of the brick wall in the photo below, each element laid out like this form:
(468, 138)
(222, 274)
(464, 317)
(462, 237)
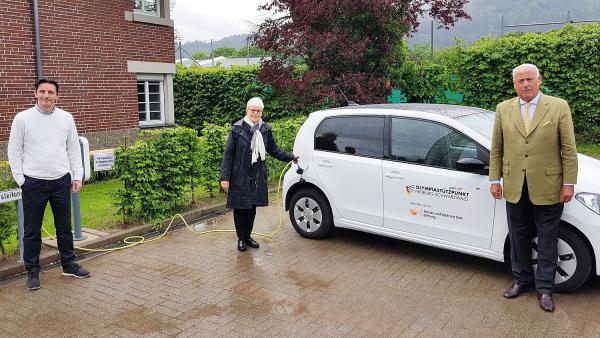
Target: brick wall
(85, 47)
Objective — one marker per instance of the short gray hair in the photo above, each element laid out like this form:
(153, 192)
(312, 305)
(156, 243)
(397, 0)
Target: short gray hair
(525, 66)
(255, 102)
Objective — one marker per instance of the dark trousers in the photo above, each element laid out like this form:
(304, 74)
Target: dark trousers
(525, 221)
(36, 194)
(244, 222)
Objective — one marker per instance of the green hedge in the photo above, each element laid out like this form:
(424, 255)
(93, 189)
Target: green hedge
(8, 216)
(163, 163)
(284, 131)
(155, 172)
(481, 75)
(219, 96)
(569, 60)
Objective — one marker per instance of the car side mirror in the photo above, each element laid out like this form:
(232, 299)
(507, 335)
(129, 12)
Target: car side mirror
(472, 165)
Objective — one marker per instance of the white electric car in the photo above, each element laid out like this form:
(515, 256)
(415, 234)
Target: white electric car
(419, 172)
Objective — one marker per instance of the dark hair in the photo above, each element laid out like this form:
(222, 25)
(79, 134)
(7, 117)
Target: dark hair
(42, 81)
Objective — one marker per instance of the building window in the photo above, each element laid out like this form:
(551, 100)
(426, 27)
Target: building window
(149, 7)
(151, 99)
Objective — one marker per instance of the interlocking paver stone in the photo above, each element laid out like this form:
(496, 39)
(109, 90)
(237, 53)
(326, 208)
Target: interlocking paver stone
(349, 284)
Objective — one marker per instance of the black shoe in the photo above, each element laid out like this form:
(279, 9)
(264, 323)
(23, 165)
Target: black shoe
(242, 246)
(33, 280)
(74, 270)
(514, 290)
(546, 302)
(252, 243)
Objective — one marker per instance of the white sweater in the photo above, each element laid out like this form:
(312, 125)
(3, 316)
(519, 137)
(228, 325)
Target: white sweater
(44, 146)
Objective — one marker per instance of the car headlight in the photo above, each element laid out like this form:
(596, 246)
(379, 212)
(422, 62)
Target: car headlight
(590, 200)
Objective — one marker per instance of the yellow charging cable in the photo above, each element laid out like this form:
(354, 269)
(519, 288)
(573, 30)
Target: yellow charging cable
(132, 241)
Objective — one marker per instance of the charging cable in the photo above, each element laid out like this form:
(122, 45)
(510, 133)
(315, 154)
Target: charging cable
(132, 241)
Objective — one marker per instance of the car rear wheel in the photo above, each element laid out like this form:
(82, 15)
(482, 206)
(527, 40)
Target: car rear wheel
(574, 260)
(310, 214)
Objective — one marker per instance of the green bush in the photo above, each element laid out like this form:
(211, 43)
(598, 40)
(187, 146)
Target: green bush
(284, 131)
(422, 81)
(8, 216)
(212, 145)
(569, 60)
(155, 172)
(481, 75)
(219, 96)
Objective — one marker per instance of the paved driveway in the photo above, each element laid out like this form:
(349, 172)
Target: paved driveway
(350, 284)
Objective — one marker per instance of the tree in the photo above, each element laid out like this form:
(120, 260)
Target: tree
(349, 46)
(224, 51)
(251, 51)
(200, 56)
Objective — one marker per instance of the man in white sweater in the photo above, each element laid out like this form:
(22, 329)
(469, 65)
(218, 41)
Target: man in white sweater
(45, 159)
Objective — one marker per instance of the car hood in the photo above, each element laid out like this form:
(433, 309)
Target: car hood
(588, 176)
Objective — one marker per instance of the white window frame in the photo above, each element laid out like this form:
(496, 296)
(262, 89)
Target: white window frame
(148, 12)
(161, 80)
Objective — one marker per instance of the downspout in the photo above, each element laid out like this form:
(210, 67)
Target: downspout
(38, 47)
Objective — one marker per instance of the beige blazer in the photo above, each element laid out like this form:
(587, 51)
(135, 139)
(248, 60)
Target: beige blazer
(546, 155)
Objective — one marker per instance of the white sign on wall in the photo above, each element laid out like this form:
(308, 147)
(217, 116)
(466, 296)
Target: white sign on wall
(104, 161)
(10, 195)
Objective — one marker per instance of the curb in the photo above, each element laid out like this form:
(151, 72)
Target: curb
(48, 258)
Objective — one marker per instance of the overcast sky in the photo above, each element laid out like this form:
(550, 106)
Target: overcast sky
(205, 20)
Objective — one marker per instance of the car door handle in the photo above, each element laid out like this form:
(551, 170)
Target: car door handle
(325, 164)
(395, 175)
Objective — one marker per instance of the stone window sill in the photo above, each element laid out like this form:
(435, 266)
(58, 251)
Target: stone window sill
(154, 20)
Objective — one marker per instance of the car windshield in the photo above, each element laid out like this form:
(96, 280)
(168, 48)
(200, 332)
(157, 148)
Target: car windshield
(483, 123)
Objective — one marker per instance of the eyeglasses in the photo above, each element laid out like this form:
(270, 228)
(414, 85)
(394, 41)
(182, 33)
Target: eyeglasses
(255, 110)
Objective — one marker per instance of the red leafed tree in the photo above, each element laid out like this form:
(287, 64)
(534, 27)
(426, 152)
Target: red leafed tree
(348, 46)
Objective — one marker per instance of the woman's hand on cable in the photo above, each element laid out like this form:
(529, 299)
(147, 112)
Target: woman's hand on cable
(225, 185)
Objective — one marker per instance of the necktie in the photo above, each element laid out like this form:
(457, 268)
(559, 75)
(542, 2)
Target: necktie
(526, 119)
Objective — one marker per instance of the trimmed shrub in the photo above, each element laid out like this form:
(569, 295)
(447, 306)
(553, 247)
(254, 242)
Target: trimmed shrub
(8, 216)
(569, 60)
(212, 145)
(219, 96)
(155, 172)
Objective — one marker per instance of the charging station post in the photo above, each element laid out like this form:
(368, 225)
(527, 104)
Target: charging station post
(84, 146)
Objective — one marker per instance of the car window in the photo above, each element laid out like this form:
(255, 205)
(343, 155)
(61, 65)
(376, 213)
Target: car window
(482, 123)
(355, 135)
(429, 143)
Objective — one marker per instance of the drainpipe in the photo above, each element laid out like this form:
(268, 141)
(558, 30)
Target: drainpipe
(38, 48)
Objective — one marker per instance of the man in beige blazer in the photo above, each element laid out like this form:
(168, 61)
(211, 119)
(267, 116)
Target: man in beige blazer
(533, 152)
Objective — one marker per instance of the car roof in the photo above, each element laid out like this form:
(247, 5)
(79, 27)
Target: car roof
(448, 110)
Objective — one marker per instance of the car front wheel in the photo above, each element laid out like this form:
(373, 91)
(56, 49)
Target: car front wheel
(310, 214)
(574, 260)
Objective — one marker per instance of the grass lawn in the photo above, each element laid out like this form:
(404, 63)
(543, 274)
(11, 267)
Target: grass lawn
(589, 149)
(97, 211)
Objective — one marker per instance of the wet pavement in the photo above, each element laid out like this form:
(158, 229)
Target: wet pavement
(350, 284)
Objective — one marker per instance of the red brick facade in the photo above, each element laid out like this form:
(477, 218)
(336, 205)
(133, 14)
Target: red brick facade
(85, 47)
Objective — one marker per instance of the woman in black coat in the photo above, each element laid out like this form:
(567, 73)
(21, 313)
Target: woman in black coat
(244, 169)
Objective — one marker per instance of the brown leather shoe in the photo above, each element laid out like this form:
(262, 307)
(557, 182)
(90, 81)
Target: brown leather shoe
(546, 302)
(514, 290)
